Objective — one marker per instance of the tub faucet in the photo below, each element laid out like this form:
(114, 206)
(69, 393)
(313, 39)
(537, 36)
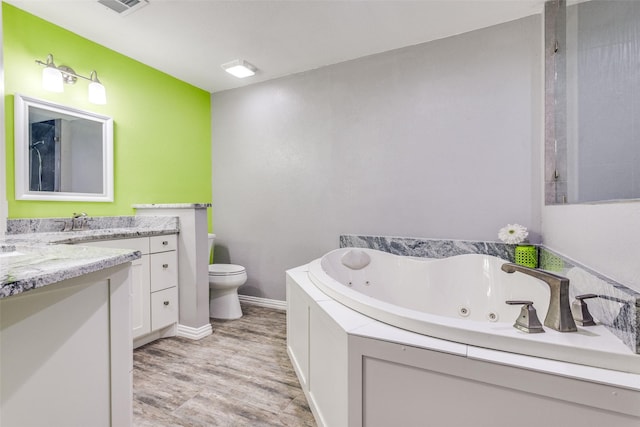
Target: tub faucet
(559, 315)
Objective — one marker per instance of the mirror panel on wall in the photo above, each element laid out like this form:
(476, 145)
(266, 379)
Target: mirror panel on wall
(62, 153)
(592, 121)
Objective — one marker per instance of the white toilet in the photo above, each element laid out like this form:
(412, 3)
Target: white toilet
(224, 281)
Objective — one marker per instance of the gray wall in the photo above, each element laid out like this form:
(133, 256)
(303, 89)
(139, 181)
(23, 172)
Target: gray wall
(437, 140)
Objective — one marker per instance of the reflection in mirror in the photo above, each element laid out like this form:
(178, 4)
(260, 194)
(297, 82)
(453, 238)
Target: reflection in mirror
(62, 153)
(592, 142)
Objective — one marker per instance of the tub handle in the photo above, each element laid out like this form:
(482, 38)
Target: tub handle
(580, 310)
(528, 320)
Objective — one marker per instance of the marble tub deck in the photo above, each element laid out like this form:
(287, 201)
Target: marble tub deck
(239, 376)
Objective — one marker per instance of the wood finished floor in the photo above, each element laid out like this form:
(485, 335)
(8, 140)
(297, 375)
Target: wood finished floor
(239, 376)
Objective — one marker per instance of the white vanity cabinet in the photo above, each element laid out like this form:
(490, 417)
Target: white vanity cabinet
(154, 284)
(66, 353)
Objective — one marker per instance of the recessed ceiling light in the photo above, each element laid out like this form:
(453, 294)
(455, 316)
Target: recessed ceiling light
(239, 68)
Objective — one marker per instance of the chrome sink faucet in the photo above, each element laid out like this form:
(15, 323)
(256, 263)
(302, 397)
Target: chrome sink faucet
(559, 315)
(78, 221)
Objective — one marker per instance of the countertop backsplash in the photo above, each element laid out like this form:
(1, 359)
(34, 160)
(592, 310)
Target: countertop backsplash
(52, 225)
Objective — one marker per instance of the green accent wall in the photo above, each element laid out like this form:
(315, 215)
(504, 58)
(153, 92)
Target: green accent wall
(162, 125)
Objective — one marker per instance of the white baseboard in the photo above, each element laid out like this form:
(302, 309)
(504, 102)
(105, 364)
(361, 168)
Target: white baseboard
(263, 302)
(194, 333)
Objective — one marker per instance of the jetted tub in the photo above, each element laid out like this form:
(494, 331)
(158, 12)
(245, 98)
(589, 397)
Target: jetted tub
(460, 299)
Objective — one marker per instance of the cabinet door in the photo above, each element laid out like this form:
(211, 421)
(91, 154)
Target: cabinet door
(55, 359)
(140, 281)
(140, 304)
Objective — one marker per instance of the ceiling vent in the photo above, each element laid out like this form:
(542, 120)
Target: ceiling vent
(124, 7)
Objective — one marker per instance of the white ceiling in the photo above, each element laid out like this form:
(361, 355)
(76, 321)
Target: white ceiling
(190, 39)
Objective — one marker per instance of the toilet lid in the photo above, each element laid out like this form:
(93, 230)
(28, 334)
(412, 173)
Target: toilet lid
(225, 269)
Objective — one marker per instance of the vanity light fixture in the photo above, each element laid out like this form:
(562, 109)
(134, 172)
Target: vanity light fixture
(54, 76)
(240, 68)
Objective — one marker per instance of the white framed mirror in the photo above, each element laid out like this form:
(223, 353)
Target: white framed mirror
(62, 153)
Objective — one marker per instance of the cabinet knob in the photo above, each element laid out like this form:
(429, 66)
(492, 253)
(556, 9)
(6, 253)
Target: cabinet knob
(165, 265)
(165, 242)
(166, 303)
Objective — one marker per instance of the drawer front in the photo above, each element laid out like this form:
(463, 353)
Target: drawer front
(164, 308)
(138, 244)
(163, 243)
(164, 270)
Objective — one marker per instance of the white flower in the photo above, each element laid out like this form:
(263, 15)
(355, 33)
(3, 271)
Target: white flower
(513, 234)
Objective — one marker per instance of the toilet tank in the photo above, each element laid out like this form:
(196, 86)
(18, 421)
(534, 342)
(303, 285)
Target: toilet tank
(211, 238)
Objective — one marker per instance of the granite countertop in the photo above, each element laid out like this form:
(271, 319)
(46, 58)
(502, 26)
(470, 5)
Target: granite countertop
(33, 254)
(34, 265)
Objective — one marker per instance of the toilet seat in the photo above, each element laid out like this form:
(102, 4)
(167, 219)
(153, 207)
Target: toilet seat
(226, 270)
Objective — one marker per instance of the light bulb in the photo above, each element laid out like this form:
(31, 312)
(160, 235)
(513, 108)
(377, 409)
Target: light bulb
(239, 68)
(240, 71)
(52, 79)
(97, 93)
